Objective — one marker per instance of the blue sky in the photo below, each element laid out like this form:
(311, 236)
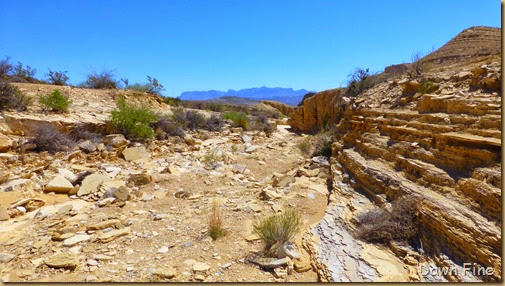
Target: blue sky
(231, 44)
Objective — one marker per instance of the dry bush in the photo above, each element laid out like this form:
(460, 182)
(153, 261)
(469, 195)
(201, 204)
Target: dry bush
(304, 146)
(11, 97)
(104, 80)
(82, 132)
(5, 67)
(48, 138)
(214, 123)
(322, 144)
(216, 229)
(278, 228)
(167, 127)
(261, 123)
(381, 226)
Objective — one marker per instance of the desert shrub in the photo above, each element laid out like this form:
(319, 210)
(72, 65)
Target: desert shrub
(214, 123)
(5, 67)
(57, 77)
(11, 97)
(261, 123)
(26, 73)
(166, 126)
(279, 228)
(216, 229)
(361, 79)
(322, 144)
(304, 146)
(238, 118)
(48, 138)
(104, 80)
(194, 119)
(152, 86)
(326, 121)
(172, 101)
(132, 121)
(83, 132)
(55, 101)
(381, 226)
(211, 158)
(416, 66)
(427, 87)
(214, 106)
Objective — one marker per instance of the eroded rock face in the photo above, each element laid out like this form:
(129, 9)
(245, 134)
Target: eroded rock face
(282, 107)
(443, 148)
(323, 108)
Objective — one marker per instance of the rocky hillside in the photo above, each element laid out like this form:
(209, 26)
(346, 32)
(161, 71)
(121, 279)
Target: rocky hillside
(435, 137)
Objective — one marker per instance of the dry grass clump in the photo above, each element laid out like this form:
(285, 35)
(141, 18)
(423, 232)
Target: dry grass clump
(216, 229)
(12, 98)
(48, 138)
(382, 226)
(278, 228)
(304, 146)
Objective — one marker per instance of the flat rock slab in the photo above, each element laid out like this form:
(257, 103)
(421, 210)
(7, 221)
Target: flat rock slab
(76, 239)
(136, 153)
(58, 184)
(113, 234)
(62, 260)
(91, 183)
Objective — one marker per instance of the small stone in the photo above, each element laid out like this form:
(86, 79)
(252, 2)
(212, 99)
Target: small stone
(6, 257)
(165, 272)
(59, 184)
(76, 239)
(87, 146)
(92, 262)
(245, 138)
(90, 278)
(115, 140)
(252, 237)
(163, 249)
(140, 179)
(200, 267)
(136, 153)
(113, 234)
(4, 214)
(251, 149)
(199, 277)
(280, 273)
(288, 249)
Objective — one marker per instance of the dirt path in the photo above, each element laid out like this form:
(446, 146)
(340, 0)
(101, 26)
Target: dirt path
(166, 231)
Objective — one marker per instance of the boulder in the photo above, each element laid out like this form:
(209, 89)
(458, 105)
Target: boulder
(58, 185)
(136, 153)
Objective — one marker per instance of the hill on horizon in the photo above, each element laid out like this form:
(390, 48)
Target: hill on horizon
(285, 95)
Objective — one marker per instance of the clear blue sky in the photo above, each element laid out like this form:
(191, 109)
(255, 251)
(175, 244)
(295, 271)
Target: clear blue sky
(231, 44)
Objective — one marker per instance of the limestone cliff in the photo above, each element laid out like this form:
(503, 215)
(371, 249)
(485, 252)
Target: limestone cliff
(441, 145)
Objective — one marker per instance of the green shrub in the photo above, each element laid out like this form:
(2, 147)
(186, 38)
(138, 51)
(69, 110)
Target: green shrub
(278, 228)
(172, 101)
(55, 101)
(104, 80)
(152, 86)
(57, 77)
(26, 73)
(214, 106)
(132, 121)
(361, 80)
(210, 159)
(382, 226)
(427, 87)
(12, 97)
(239, 118)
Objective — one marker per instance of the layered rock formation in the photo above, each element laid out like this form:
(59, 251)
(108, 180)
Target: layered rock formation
(441, 146)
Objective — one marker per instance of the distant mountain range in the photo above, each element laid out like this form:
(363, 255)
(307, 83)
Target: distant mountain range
(284, 95)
